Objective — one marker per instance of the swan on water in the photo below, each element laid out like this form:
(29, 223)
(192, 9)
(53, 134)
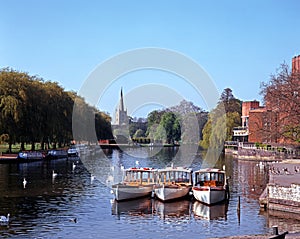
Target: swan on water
(24, 183)
(4, 218)
(54, 174)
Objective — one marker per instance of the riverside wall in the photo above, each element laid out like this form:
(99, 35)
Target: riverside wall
(282, 193)
(249, 151)
(284, 198)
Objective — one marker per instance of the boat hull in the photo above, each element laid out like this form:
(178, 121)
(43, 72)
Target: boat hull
(209, 195)
(127, 192)
(56, 154)
(166, 193)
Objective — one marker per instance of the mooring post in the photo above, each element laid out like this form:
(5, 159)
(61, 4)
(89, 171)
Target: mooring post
(239, 209)
(239, 204)
(275, 230)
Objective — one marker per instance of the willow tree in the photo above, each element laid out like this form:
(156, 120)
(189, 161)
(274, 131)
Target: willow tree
(221, 121)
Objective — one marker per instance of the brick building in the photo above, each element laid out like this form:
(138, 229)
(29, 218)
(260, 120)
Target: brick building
(296, 64)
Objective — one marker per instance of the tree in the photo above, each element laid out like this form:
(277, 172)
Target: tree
(192, 120)
(172, 127)
(282, 98)
(221, 121)
(136, 124)
(139, 133)
(34, 110)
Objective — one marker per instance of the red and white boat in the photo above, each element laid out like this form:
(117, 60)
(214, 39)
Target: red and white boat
(137, 182)
(210, 186)
(173, 183)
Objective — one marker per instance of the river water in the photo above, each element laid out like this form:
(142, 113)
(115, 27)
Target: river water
(47, 206)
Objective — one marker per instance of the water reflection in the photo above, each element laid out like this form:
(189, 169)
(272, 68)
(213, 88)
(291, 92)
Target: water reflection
(174, 209)
(212, 212)
(179, 209)
(137, 207)
(44, 208)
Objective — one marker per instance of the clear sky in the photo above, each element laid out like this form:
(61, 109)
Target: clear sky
(239, 43)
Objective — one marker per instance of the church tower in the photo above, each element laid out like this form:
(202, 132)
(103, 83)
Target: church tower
(121, 113)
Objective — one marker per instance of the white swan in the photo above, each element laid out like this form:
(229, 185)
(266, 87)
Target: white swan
(73, 166)
(54, 174)
(24, 183)
(4, 218)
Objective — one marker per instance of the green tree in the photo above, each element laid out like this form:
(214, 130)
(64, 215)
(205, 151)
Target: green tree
(171, 125)
(139, 133)
(34, 110)
(221, 121)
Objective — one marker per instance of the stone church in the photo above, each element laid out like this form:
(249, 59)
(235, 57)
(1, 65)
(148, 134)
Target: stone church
(121, 117)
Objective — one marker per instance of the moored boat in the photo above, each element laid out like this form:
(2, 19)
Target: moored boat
(56, 154)
(137, 182)
(210, 186)
(30, 156)
(22, 157)
(173, 183)
(72, 152)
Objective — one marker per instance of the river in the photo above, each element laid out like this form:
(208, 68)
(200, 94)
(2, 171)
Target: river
(47, 206)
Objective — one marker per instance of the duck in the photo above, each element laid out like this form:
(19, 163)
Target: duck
(4, 218)
(24, 183)
(93, 177)
(73, 220)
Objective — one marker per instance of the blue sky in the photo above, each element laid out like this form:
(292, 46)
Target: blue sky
(238, 43)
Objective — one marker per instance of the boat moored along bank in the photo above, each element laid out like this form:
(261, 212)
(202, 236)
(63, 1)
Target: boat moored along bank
(137, 182)
(173, 183)
(210, 186)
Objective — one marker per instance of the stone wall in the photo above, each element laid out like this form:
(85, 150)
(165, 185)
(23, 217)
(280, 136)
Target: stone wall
(284, 198)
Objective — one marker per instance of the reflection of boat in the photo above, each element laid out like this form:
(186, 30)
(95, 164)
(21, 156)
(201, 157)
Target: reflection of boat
(210, 212)
(210, 186)
(137, 182)
(139, 206)
(172, 209)
(173, 183)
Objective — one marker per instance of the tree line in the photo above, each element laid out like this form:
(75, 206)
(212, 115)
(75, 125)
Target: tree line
(34, 110)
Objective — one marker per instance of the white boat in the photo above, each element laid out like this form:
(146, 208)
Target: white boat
(137, 182)
(173, 183)
(72, 152)
(210, 186)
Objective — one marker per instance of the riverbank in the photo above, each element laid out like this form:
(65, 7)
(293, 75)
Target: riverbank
(250, 151)
(295, 235)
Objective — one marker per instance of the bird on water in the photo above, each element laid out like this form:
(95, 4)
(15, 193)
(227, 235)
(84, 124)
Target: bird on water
(4, 219)
(54, 174)
(24, 183)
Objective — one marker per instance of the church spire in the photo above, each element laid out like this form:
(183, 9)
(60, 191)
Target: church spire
(121, 105)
